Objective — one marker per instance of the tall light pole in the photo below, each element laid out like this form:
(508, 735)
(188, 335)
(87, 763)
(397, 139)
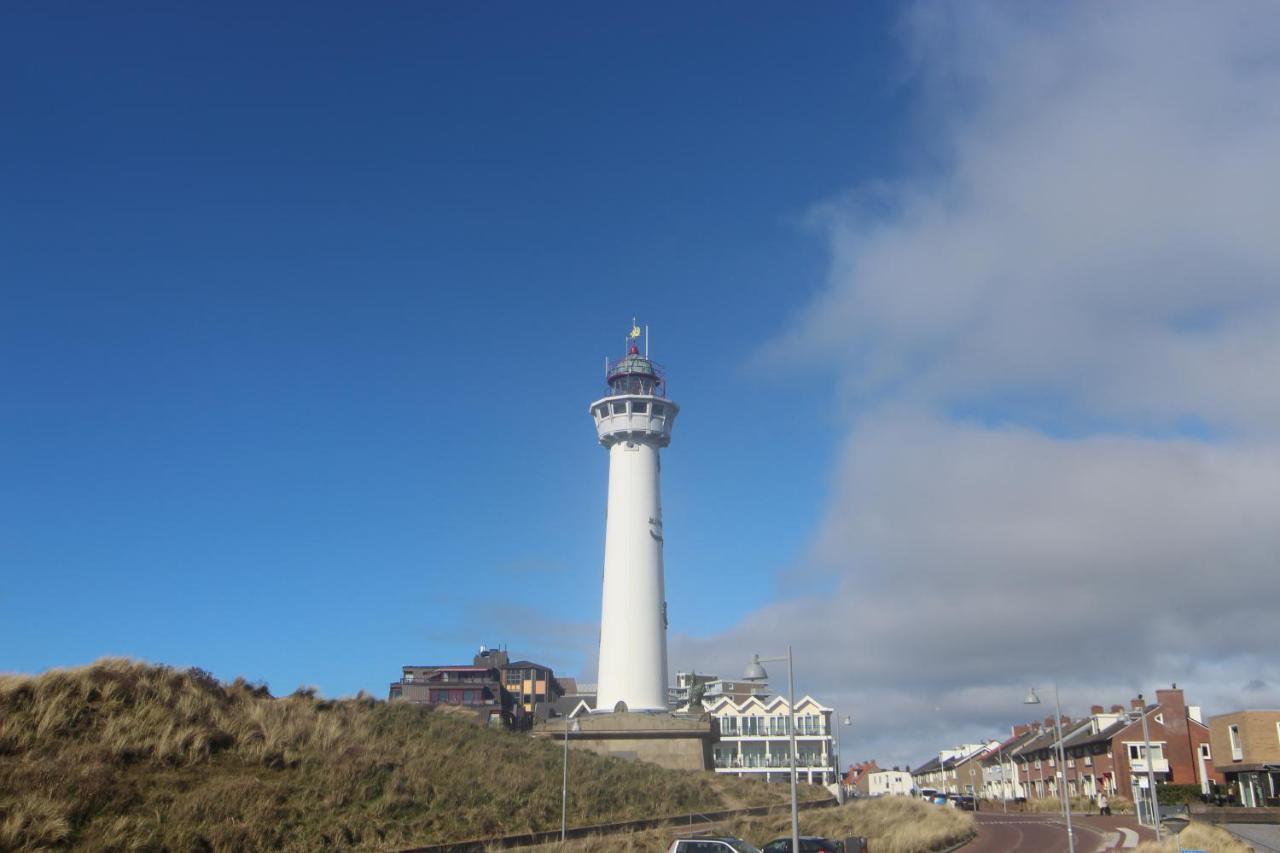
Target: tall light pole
(839, 773)
(1033, 699)
(1151, 776)
(564, 785)
(756, 672)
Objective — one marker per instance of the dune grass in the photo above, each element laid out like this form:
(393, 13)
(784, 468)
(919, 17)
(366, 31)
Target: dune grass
(890, 824)
(127, 755)
(1198, 836)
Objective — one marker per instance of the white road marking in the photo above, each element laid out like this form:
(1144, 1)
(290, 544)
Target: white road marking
(1110, 840)
(1130, 837)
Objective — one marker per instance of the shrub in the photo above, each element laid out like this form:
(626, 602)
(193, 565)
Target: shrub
(1169, 795)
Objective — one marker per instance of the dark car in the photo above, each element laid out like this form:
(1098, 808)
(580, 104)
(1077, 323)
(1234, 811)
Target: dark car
(710, 844)
(808, 844)
(964, 802)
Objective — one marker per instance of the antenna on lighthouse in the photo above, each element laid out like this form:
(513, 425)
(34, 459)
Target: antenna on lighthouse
(646, 340)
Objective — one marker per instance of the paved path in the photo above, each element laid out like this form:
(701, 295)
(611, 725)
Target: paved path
(1045, 833)
(1263, 836)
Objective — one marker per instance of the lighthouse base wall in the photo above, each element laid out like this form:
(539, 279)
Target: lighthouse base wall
(674, 741)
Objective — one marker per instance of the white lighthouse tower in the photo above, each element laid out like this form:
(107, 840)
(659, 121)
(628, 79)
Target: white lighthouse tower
(634, 421)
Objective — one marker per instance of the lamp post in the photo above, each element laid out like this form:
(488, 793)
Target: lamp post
(756, 672)
(846, 721)
(564, 785)
(1033, 699)
(1151, 776)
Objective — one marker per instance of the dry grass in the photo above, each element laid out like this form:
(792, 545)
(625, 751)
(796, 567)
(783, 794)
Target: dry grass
(891, 825)
(126, 755)
(1199, 836)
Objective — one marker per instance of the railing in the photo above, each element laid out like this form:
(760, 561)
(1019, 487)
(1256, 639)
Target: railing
(771, 762)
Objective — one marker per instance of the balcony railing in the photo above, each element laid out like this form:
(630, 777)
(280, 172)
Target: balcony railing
(781, 762)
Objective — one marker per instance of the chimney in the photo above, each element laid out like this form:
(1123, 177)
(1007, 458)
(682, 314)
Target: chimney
(1136, 703)
(1172, 700)
(1117, 709)
(1048, 722)
(1095, 710)
(1018, 731)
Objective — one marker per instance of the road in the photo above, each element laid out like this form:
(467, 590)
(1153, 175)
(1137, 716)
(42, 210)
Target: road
(1046, 833)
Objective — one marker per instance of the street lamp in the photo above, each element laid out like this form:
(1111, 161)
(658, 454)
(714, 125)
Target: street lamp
(1033, 699)
(846, 721)
(1151, 776)
(756, 672)
(564, 785)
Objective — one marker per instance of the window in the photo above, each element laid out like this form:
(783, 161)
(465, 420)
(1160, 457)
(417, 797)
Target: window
(1088, 761)
(1237, 753)
(639, 407)
(1204, 748)
(659, 410)
(619, 408)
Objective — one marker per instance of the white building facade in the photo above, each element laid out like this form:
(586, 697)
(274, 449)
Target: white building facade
(755, 739)
(889, 783)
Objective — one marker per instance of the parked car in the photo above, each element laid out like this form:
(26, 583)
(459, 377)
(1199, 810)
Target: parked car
(711, 844)
(808, 844)
(964, 803)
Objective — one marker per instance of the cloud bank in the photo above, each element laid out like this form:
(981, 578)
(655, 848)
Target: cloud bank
(1057, 348)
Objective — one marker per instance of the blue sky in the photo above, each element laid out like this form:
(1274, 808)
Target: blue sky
(304, 307)
(970, 307)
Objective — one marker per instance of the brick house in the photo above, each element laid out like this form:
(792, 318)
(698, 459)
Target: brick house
(1000, 777)
(1246, 750)
(857, 779)
(941, 773)
(498, 691)
(1106, 750)
(968, 771)
(473, 688)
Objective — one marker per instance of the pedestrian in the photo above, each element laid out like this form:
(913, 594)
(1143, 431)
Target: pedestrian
(1104, 805)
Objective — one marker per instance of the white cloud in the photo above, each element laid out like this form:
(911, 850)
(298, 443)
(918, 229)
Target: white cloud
(1096, 264)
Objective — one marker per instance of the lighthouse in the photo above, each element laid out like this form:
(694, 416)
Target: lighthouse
(633, 420)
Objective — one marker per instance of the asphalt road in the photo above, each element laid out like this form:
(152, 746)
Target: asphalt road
(1045, 833)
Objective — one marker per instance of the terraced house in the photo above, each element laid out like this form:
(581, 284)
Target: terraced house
(1106, 751)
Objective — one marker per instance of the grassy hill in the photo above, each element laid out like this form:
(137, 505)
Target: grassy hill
(127, 755)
